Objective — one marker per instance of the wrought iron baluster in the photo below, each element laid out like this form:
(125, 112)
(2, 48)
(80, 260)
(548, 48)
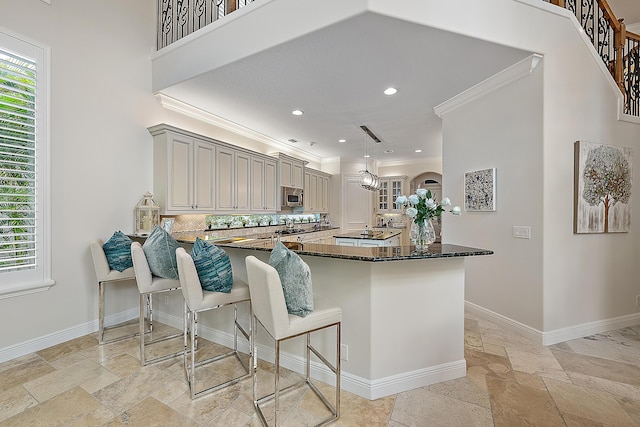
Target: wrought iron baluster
(199, 14)
(179, 18)
(165, 23)
(182, 18)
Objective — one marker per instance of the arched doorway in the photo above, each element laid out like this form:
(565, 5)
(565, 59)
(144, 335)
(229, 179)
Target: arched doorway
(428, 180)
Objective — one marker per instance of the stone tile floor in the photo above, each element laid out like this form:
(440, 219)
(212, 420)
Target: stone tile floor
(511, 381)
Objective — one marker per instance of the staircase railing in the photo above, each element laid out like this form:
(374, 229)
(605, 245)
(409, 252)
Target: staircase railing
(618, 48)
(179, 18)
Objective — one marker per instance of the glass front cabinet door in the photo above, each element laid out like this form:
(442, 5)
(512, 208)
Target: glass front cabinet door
(390, 188)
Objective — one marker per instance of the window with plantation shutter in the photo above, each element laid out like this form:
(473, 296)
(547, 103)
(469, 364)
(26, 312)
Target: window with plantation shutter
(24, 206)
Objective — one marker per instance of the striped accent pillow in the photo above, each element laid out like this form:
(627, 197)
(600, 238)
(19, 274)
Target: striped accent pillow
(118, 251)
(213, 266)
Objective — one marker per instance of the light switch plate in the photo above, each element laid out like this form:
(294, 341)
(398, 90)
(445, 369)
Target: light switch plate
(521, 232)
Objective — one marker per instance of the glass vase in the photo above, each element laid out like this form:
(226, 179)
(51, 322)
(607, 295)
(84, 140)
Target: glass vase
(422, 234)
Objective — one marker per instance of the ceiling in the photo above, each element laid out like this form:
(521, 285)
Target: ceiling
(337, 75)
(627, 9)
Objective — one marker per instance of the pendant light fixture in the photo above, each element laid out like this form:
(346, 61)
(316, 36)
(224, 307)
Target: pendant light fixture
(368, 180)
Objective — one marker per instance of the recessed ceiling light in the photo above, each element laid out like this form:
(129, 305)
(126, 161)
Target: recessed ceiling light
(297, 112)
(342, 140)
(418, 151)
(390, 91)
(388, 151)
(366, 156)
(293, 141)
(312, 143)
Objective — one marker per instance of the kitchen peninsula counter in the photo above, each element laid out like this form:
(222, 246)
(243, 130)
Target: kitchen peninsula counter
(372, 254)
(402, 312)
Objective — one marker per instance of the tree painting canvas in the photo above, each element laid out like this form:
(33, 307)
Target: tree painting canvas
(602, 188)
(480, 190)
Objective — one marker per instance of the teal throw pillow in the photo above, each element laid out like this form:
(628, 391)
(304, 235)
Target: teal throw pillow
(118, 251)
(295, 277)
(160, 250)
(213, 266)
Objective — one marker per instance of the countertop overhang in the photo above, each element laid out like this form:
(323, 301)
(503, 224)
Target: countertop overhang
(371, 254)
(354, 253)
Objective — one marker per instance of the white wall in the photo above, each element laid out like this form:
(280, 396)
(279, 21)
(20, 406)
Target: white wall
(585, 279)
(101, 106)
(501, 130)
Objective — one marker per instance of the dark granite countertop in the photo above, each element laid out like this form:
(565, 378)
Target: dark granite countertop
(373, 235)
(375, 254)
(371, 254)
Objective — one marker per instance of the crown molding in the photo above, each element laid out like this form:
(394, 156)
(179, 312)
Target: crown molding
(495, 82)
(206, 117)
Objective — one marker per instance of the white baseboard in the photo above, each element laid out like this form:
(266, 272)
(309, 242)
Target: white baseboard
(590, 328)
(46, 341)
(557, 335)
(368, 389)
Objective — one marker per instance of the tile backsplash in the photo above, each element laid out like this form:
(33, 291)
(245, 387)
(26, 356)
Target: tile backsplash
(184, 223)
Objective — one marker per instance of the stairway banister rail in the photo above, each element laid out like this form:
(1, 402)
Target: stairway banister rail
(609, 15)
(623, 60)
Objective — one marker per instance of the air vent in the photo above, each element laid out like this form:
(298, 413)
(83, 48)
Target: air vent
(371, 134)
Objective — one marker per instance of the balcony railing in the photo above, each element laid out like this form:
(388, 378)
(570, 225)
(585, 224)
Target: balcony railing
(618, 48)
(178, 18)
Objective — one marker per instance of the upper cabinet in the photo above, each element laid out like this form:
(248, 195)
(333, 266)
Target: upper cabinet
(316, 191)
(183, 172)
(291, 171)
(195, 173)
(390, 188)
(233, 177)
(263, 184)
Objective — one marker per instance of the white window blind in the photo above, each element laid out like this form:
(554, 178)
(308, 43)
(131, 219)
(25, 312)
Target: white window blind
(17, 162)
(24, 206)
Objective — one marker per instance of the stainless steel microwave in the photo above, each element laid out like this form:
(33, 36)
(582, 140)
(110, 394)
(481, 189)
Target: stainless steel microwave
(291, 197)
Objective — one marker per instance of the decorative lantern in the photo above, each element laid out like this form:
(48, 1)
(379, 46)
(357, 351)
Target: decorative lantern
(147, 215)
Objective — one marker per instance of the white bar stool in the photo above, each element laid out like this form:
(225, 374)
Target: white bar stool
(199, 300)
(148, 285)
(270, 310)
(106, 276)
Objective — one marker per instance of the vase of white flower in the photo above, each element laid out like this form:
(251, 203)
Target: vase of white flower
(422, 208)
(422, 234)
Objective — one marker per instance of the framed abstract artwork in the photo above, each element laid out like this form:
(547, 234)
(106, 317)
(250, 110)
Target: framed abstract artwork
(480, 190)
(602, 188)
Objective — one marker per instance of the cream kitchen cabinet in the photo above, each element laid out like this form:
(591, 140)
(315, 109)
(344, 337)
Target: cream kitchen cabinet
(390, 188)
(233, 172)
(264, 196)
(316, 191)
(192, 172)
(291, 171)
(184, 172)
